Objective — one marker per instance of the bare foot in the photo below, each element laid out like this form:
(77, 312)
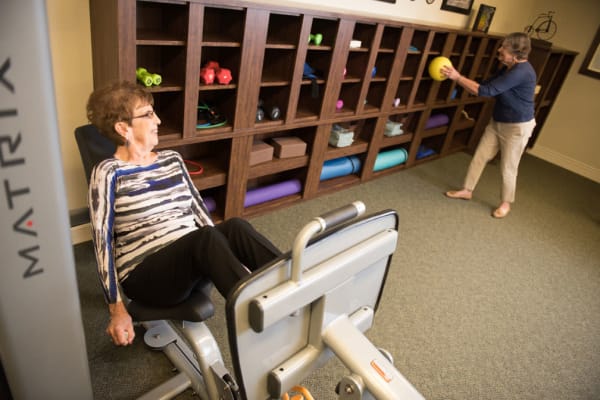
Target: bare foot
(463, 194)
(502, 210)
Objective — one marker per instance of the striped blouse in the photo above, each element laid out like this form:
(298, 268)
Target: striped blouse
(137, 210)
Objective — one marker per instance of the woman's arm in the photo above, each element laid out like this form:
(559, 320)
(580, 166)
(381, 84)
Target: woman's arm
(101, 191)
(470, 86)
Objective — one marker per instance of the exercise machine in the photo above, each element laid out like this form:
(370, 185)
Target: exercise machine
(310, 304)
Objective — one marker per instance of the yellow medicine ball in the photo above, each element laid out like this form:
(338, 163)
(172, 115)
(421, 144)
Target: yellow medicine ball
(436, 65)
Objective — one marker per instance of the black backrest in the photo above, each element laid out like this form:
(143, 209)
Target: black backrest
(93, 147)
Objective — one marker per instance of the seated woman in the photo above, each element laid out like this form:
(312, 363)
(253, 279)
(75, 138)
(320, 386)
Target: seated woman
(151, 230)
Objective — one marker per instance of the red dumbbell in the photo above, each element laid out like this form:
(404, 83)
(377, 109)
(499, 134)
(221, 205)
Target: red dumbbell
(223, 76)
(207, 75)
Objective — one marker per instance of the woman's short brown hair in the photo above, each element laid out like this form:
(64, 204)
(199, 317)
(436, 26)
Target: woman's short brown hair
(114, 103)
(518, 44)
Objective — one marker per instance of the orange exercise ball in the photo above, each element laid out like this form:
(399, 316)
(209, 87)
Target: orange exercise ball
(436, 65)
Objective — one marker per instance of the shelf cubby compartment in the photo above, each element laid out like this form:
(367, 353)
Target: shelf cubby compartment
(561, 72)
(403, 92)
(278, 165)
(438, 122)
(269, 98)
(223, 100)
(460, 44)
(438, 43)
(349, 94)
(409, 121)
(460, 139)
(363, 133)
(223, 25)
(390, 39)
(277, 67)
(213, 157)
(365, 33)
(169, 108)
(489, 58)
(429, 148)
(419, 41)
(447, 91)
(274, 179)
(383, 67)
(283, 31)
(328, 28)
(167, 61)
(470, 114)
(309, 107)
(214, 199)
(227, 57)
(356, 65)
(374, 97)
(423, 90)
(161, 23)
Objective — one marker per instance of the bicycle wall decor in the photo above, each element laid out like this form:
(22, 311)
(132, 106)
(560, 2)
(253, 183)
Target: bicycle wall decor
(543, 27)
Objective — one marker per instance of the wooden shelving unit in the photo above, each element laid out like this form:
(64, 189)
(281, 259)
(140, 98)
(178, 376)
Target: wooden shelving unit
(383, 79)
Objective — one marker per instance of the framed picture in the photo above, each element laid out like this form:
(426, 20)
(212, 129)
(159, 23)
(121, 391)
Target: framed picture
(457, 6)
(484, 18)
(591, 63)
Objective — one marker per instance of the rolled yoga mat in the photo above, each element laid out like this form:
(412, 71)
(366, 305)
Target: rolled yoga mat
(437, 120)
(390, 158)
(272, 192)
(424, 152)
(340, 167)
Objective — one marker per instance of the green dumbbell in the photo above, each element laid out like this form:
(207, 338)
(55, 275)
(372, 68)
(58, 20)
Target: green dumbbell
(316, 38)
(156, 79)
(143, 76)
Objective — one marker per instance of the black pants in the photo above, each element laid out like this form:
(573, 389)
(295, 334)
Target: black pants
(168, 276)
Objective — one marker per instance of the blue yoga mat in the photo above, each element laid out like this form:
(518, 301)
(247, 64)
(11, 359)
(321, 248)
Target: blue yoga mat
(390, 158)
(424, 152)
(340, 167)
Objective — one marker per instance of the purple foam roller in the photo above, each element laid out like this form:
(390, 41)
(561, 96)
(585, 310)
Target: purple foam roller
(437, 120)
(271, 192)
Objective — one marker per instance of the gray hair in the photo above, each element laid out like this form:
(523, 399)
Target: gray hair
(518, 44)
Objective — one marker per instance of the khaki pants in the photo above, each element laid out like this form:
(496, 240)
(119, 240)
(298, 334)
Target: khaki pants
(511, 139)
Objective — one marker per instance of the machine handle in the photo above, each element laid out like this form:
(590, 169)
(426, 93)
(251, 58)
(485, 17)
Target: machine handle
(318, 225)
(342, 214)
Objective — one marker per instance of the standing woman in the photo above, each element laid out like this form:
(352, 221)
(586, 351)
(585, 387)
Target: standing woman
(512, 121)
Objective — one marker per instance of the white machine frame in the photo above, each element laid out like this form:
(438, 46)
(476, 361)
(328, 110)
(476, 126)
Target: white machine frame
(293, 315)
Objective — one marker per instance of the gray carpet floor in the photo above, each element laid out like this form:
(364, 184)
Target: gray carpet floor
(474, 307)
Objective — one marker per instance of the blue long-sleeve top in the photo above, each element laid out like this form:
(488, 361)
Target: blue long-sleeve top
(514, 92)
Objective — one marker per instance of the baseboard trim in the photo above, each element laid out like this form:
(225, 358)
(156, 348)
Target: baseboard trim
(81, 233)
(565, 162)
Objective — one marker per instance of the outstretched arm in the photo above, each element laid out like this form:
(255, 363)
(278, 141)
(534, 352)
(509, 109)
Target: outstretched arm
(469, 85)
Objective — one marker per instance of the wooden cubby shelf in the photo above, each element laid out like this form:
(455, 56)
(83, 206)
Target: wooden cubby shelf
(368, 73)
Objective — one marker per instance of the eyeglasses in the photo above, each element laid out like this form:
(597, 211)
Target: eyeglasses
(150, 114)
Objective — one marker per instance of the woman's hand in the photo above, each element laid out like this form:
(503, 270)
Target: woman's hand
(120, 327)
(450, 72)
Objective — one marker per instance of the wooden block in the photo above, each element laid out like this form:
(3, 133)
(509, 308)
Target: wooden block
(261, 152)
(289, 146)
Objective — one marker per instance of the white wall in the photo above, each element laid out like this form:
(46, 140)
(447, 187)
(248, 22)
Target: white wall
(570, 136)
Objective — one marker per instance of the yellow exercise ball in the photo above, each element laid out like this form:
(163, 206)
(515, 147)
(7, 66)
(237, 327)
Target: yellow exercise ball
(436, 65)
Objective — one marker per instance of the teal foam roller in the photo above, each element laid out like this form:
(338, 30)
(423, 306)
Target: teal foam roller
(390, 158)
